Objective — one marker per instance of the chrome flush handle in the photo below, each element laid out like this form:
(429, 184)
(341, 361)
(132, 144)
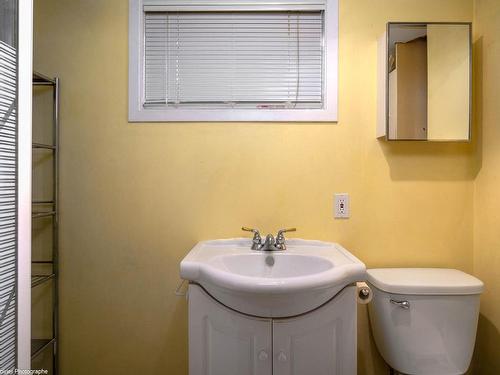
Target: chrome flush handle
(403, 304)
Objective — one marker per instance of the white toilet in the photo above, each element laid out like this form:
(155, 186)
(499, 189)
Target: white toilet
(424, 320)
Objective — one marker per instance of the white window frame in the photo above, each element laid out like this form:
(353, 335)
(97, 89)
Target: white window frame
(138, 113)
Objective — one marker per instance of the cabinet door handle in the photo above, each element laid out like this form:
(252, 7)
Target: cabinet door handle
(282, 357)
(263, 355)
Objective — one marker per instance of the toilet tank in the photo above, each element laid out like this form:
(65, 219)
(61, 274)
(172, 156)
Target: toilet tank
(424, 320)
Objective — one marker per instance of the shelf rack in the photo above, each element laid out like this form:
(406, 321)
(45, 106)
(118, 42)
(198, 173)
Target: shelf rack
(51, 210)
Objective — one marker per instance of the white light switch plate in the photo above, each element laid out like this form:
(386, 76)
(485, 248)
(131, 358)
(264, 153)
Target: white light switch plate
(341, 206)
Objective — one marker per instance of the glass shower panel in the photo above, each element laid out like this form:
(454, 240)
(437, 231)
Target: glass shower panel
(8, 183)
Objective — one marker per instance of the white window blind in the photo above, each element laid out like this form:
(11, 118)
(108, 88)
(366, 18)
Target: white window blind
(247, 59)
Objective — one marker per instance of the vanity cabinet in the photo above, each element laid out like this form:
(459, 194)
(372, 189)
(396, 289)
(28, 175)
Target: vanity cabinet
(225, 342)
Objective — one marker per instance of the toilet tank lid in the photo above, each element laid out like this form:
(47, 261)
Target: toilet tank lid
(424, 281)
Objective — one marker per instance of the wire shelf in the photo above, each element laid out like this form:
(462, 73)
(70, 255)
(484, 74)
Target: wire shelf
(43, 146)
(36, 215)
(40, 279)
(42, 203)
(42, 80)
(39, 345)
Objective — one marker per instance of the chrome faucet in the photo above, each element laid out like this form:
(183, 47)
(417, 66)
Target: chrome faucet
(271, 243)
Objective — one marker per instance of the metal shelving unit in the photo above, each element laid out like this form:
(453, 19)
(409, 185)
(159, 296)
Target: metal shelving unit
(49, 208)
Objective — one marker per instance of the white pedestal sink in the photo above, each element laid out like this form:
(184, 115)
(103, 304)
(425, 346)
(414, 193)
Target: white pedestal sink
(271, 284)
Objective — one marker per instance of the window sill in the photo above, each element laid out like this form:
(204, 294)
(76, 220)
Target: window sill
(232, 115)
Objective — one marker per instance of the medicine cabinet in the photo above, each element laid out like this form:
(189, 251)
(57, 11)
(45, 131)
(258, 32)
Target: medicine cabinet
(424, 82)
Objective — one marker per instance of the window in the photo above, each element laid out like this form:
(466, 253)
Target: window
(236, 61)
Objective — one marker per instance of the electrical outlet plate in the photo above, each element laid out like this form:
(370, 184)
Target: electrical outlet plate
(341, 206)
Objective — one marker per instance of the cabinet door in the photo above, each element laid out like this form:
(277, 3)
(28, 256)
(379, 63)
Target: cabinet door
(322, 342)
(224, 342)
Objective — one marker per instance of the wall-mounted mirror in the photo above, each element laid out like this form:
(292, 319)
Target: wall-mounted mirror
(425, 82)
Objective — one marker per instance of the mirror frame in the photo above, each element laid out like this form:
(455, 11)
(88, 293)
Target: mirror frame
(388, 26)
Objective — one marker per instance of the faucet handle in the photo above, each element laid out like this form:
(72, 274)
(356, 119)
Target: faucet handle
(280, 238)
(257, 240)
(281, 231)
(246, 229)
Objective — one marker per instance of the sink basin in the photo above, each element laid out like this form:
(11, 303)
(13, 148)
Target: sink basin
(271, 284)
(274, 266)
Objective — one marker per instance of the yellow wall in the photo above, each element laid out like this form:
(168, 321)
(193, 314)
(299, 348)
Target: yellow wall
(136, 197)
(487, 186)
